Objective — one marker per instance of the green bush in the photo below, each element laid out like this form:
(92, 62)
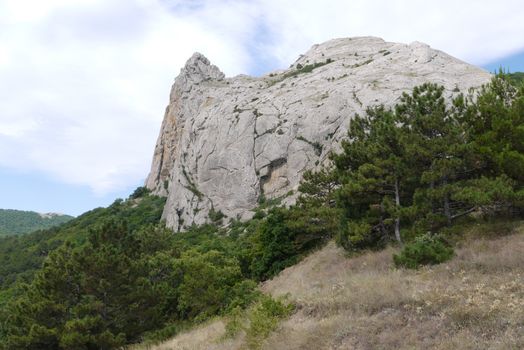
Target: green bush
(216, 217)
(259, 320)
(158, 335)
(274, 247)
(264, 318)
(357, 235)
(424, 250)
(235, 323)
(140, 192)
(208, 281)
(287, 234)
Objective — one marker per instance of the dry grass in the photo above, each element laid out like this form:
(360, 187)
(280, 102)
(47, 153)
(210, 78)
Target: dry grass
(209, 336)
(475, 301)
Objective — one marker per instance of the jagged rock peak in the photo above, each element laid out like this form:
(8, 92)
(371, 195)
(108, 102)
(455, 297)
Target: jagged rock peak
(198, 69)
(227, 143)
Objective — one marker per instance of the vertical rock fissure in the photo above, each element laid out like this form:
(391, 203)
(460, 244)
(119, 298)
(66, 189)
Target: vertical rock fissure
(269, 176)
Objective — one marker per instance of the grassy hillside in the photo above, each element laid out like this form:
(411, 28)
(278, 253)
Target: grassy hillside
(475, 301)
(15, 222)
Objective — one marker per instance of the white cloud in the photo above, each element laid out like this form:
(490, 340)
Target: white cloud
(84, 83)
(475, 31)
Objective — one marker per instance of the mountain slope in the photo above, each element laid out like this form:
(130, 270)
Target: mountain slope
(471, 302)
(227, 143)
(15, 222)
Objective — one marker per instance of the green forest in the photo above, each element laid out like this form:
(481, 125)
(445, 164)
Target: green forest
(15, 222)
(411, 176)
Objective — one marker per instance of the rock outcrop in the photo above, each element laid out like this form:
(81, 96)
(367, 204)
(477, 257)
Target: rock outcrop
(227, 142)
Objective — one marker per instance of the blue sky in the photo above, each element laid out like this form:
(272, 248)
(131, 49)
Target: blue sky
(38, 192)
(84, 83)
(511, 63)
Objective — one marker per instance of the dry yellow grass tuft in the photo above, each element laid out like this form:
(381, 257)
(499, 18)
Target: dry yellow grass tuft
(475, 301)
(209, 336)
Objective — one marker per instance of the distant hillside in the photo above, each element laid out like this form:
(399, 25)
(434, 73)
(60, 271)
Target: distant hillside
(15, 222)
(21, 255)
(517, 77)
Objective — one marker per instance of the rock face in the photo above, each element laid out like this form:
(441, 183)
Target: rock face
(227, 142)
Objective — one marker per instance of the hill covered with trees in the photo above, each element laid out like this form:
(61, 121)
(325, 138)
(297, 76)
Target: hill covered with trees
(15, 222)
(516, 78)
(21, 256)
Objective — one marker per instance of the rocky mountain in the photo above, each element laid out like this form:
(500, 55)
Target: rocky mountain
(227, 143)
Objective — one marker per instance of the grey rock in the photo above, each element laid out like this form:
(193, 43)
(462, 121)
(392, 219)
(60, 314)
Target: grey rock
(225, 142)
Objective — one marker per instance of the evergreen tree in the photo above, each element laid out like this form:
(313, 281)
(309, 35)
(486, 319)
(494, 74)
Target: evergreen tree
(208, 283)
(438, 149)
(493, 120)
(318, 188)
(425, 164)
(373, 174)
(288, 233)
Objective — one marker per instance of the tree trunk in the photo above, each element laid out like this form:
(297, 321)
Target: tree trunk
(447, 210)
(433, 207)
(383, 228)
(397, 203)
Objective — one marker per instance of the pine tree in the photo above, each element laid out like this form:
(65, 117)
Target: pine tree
(318, 188)
(493, 119)
(373, 173)
(438, 150)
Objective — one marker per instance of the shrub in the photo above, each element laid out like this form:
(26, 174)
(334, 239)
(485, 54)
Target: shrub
(208, 281)
(216, 216)
(424, 250)
(285, 235)
(273, 245)
(243, 294)
(258, 321)
(235, 323)
(164, 333)
(140, 192)
(356, 235)
(264, 318)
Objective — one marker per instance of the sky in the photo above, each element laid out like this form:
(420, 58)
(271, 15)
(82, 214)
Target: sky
(84, 83)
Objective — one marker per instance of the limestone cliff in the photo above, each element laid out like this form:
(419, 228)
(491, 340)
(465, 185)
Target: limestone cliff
(226, 142)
